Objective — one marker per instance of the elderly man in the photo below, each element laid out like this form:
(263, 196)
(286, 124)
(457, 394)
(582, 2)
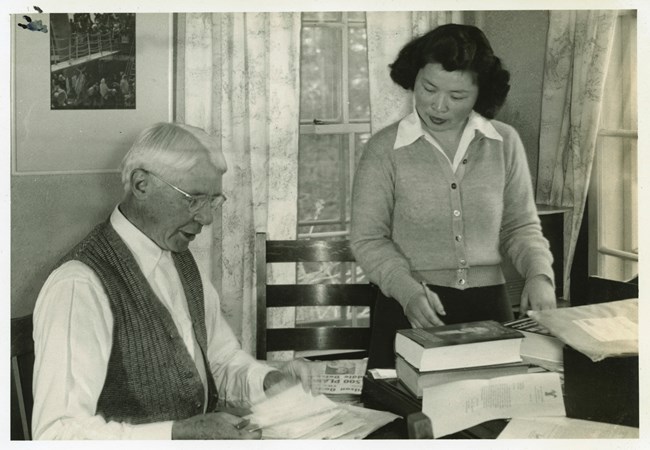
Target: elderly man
(129, 337)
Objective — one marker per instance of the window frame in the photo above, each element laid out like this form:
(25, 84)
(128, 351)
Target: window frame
(597, 208)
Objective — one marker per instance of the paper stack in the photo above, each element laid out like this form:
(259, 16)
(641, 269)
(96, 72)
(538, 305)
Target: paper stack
(296, 414)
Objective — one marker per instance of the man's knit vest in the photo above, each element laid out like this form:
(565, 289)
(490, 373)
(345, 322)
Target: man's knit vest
(151, 376)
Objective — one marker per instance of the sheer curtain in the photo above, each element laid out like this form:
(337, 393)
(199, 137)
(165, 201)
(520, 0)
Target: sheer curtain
(387, 33)
(577, 52)
(237, 76)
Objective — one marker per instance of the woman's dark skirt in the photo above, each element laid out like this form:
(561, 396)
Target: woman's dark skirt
(469, 305)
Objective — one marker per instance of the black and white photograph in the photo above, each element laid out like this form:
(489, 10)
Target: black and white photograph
(271, 221)
(92, 59)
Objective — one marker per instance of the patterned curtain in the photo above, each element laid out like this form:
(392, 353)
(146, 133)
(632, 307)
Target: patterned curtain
(578, 48)
(237, 76)
(387, 33)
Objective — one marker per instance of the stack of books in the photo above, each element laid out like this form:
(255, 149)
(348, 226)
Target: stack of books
(475, 350)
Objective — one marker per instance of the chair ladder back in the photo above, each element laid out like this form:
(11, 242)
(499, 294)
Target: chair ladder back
(308, 250)
(260, 268)
(315, 337)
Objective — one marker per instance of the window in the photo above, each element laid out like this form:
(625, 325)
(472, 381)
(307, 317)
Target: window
(334, 126)
(334, 119)
(613, 237)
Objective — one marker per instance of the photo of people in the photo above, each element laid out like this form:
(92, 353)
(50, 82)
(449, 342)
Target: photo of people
(92, 58)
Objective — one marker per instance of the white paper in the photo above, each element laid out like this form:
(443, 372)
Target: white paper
(607, 329)
(379, 374)
(462, 404)
(289, 405)
(302, 427)
(296, 414)
(565, 428)
(372, 420)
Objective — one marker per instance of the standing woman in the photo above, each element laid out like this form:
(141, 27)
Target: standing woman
(442, 194)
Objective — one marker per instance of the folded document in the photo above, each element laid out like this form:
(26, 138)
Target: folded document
(599, 331)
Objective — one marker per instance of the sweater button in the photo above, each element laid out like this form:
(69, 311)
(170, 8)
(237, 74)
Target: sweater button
(198, 405)
(461, 281)
(465, 161)
(456, 213)
(453, 185)
(459, 238)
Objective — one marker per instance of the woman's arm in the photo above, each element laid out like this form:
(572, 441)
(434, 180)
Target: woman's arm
(521, 233)
(372, 210)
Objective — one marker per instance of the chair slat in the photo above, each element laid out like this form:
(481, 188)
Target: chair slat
(321, 338)
(279, 295)
(316, 338)
(308, 250)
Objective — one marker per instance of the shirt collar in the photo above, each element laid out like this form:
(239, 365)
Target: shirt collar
(410, 129)
(146, 252)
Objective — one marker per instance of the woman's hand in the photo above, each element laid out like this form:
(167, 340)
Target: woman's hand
(423, 311)
(538, 294)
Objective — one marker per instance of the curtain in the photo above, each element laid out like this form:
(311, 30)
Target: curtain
(578, 48)
(387, 33)
(237, 77)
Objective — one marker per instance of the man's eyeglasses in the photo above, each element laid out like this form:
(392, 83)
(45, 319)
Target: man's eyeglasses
(196, 201)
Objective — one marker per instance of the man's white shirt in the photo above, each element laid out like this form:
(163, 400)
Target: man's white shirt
(73, 326)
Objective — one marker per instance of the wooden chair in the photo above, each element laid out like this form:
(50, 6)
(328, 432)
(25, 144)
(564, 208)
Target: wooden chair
(321, 338)
(22, 366)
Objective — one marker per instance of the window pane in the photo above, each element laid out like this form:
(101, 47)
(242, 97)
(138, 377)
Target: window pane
(357, 16)
(360, 140)
(321, 16)
(358, 74)
(320, 74)
(334, 229)
(320, 169)
(617, 167)
(621, 79)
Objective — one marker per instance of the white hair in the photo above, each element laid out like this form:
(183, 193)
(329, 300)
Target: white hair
(170, 149)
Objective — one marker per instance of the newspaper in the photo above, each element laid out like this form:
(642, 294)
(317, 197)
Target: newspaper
(344, 376)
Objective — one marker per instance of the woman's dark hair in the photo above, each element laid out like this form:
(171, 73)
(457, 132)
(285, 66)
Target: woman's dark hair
(456, 47)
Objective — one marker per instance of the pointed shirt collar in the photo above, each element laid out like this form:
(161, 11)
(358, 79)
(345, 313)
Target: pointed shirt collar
(410, 130)
(145, 251)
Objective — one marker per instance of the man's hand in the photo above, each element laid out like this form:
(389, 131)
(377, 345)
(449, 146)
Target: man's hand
(293, 372)
(219, 425)
(538, 294)
(423, 311)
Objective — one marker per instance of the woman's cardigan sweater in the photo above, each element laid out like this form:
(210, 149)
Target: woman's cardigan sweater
(414, 219)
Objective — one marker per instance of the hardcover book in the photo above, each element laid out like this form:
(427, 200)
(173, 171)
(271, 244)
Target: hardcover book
(416, 381)
(461, 345)
(539, 346)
